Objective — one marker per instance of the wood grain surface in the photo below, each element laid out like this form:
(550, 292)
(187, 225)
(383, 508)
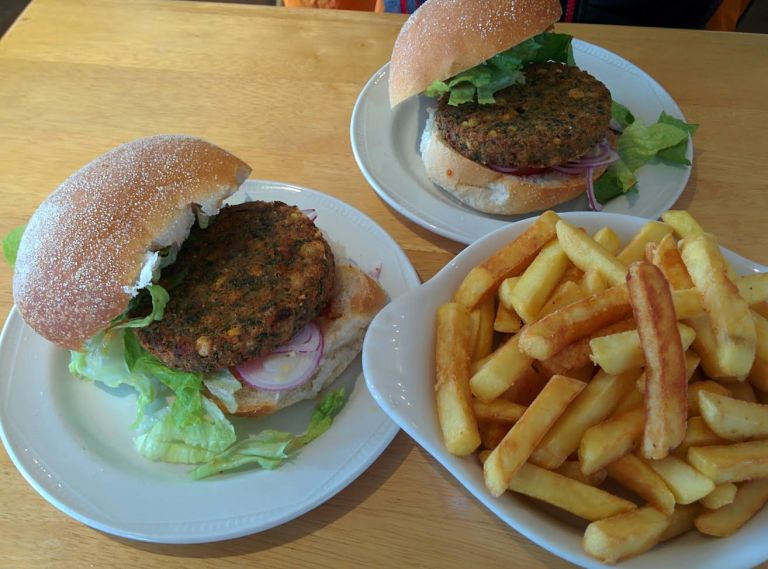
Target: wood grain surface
(277, 87)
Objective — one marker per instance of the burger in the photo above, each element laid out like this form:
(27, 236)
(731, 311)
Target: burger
(137, 266)
(518, 127)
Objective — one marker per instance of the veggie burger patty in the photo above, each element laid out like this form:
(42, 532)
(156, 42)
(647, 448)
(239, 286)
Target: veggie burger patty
(558, 114)
(246, 284)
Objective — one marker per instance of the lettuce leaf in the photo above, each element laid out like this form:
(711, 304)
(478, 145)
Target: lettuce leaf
(11, 244)
(160, 298)
(270, 449)
(666, 139)
(621, 114)
(481, 82)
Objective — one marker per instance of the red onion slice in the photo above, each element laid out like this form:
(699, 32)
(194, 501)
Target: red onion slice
(306, 340)
(280, 371)
(311, 213)
(593, 203)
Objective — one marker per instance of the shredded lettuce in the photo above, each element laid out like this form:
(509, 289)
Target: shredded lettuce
(270, 449)
(11, 244)
(666, 139)
(503, 69)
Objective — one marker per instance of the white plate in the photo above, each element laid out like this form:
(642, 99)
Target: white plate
(71, 439)
(399, 369)
(385, 143)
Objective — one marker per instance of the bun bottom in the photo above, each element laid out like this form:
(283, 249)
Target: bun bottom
(356, 300)
(489, 191)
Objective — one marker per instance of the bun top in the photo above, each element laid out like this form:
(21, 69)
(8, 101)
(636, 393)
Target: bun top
(84, 249)
(445, 37)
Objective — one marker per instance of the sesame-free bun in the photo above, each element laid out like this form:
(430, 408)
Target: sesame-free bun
(489, 191)
(445, 37)
(83, 250)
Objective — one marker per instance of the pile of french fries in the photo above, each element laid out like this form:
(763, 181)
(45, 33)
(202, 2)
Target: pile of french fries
(571, 363)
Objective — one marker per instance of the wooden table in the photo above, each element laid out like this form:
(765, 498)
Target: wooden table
(276, 87)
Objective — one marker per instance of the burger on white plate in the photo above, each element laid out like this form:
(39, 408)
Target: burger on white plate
(518, 127)
(136, 266)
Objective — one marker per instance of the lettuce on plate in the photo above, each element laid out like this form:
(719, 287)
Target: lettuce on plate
(11, 244)
(270, 449)
(666, 140)
(479, 83)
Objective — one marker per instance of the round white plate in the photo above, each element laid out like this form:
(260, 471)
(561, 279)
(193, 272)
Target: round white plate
(385, 143)
(398, 361)
(72, 440)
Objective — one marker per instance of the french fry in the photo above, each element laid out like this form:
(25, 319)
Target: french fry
(594, 282)
(666, 402)
(651, 232)
(566, 293)
(733, 419)
(705, 345)
(707, 385)
(728, 313)
(497, 410)
(722, 495)
(505, 366)
(481, 325)
(753, 288)
(509, 261)
(608, 240)
(572, 469)
(761, 308)
(580, 499)
(731, 463)
(635, 475)
(682, 222)
(492, 432)
(681, 520)
(452, 361)
(528, 431)
(506, 320)
(667, 257)
(761, 335)
(546, 337)
(621, 351)
(538, 281)
(686, 483)
(743, 391)
(750, 498)
(527, 388)
(692, 361)
(505, 292)
(577, 354)
(688, 303)
(625, 535)
(610, 440)
(698, 434)
(586, 254)
(594, 404)
(633, 399)
(758, 374)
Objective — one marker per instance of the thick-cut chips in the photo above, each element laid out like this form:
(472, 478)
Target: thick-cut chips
(666, 400)
(523, 437)
(625, 535)
(546, 337)
(635, 475)
(509, 261)
(733, 419)
(610, 440)
(685, 482)
(500, 371)
(538, 281)
(452, 362)
(750, 498)
(729, 314)
(566, 493)
(586, 254)
(731, 463)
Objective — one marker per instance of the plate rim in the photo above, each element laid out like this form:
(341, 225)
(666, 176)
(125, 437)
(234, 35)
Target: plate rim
(466, 237)
(375, 444)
